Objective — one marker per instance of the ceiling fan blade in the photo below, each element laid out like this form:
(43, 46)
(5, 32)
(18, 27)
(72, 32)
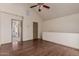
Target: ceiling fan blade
(33, 6)
(46, 6)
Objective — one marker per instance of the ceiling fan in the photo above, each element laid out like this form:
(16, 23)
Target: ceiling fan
(39, 5)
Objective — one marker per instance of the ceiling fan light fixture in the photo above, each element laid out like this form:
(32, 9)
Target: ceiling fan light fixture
(39, 10)
(40, 5)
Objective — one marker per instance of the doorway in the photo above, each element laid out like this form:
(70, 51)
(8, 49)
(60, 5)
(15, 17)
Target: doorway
(35, 30)
(16, 31)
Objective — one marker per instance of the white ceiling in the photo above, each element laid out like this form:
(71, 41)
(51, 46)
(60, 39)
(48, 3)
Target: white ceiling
(57, 10)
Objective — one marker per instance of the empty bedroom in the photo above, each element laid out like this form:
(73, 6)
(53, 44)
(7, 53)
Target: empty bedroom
(39, 29)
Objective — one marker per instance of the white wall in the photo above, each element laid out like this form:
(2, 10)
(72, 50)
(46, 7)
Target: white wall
(67, 39)
(63, 24)
(22, 10)
(0, 29)
(63, 30)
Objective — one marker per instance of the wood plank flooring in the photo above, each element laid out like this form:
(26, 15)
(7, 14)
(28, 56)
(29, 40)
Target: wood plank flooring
(37, 48)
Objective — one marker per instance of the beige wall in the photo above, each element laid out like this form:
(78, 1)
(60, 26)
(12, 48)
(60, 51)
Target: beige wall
(68, 24)
(64, 30)
(22, 10)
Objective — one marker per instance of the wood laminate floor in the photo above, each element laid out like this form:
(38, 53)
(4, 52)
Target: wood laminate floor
(37, 48)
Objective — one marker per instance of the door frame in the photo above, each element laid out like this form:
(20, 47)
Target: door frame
(33, 30)
(21, 39)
